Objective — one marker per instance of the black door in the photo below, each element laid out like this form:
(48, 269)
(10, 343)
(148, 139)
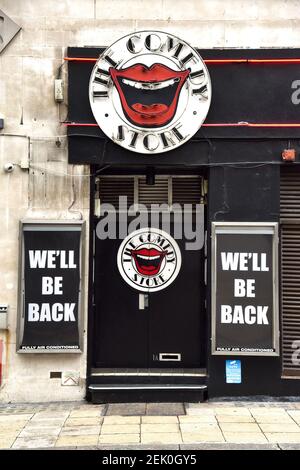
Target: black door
(141, 329)
(121, 329)
(177, 315)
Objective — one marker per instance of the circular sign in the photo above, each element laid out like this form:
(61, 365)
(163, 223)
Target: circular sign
(149, 259)
(150, 92)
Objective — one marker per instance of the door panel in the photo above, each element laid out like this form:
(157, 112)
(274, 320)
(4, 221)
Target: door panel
(173, 322)
(121, 332)
(176, 314)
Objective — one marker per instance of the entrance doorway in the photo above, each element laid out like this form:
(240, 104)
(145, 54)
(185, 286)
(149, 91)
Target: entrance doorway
(147, 324)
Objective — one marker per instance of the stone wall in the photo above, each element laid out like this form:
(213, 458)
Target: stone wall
(28, 67)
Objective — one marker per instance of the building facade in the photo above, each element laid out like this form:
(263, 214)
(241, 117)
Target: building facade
(207, 330)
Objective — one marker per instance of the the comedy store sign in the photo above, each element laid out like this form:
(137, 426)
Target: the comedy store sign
(150, 92)
(149, 259)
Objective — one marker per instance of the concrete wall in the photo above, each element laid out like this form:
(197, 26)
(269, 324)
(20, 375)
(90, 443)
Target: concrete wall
(28, 67)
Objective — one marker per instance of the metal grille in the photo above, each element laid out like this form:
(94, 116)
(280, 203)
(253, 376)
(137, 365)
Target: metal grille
(153, 194)
(166, 190)
(110, 188)
(290, 269)
(290, 195)
(187, 190)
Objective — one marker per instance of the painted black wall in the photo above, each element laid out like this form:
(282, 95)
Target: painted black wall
(252, 195)
(243, 165)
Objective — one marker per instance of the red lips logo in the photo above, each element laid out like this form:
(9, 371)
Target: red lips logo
(149, 95)
(148, 260)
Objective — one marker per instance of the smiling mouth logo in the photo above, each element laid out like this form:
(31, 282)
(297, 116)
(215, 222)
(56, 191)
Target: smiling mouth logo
(149, 95)
(148, 261)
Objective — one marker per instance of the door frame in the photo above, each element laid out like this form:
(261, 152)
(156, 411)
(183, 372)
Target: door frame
(106, 171)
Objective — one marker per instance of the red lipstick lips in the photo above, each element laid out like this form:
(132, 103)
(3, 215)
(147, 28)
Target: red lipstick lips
(148, 261)
(149, 95)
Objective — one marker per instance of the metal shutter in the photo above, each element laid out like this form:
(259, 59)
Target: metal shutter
(110, 188)
(290, 267)
(187, 190)
(166, 190)
(153, 194)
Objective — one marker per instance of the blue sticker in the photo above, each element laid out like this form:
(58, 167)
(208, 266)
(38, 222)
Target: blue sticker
(233, 371)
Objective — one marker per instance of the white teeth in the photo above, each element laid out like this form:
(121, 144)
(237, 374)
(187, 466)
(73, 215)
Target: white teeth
(149, 257)
(150, 85)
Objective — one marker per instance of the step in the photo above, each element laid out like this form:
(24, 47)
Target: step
(95, 387)
(187, 372)
(148, 376)
(146, 392)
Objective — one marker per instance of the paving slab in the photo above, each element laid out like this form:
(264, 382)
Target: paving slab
(80, 431)
(233, 411)
(86, 448)
(165, 409)
(204, 436)
(240, 427)
(229, 418)
(15, 417)
(198, 411)
(120, 429)
(197, 418)
(159, 420)
(278, 427)
(266, 409)
(9, 433)
(14, 426)
(44, 423)
(245, 437)
(52, 414)
(203, 406)
(228, 446)
(126, 409)
(119, 438)
(33, 442)
(158, 427)
(90, 421)
(139, 446)
(7, 443)
(273, 419)
(41, 421)
(286, 438)
(87, 412)
(70, 448)
(199, 427)
(14, 411)
(122, 420)
(38, 431)
(161, 438)
(295, 415)
(64, 441)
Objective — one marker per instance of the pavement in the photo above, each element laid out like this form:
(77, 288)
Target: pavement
(132, 426)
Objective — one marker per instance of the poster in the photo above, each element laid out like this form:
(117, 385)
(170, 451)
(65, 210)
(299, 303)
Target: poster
(233, 371)
(50, 287)
(245, 289)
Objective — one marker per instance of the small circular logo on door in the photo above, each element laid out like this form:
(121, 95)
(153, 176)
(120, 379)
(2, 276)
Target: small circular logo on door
(149, 259)
(150, 92)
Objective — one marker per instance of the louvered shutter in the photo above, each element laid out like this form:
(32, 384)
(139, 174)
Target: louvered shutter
(290, 269)
(166, 190)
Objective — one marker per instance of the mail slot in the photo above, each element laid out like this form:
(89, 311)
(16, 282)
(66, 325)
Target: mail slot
(169, 357)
